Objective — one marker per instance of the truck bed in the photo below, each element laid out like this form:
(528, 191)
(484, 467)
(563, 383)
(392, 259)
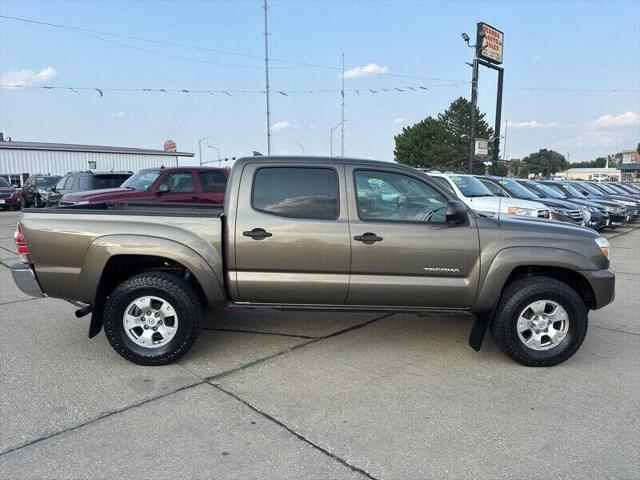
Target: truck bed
(72, 245)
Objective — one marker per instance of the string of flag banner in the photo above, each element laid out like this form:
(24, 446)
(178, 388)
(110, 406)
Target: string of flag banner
(100, 91)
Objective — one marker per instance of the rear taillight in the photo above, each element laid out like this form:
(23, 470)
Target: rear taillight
(21, 244)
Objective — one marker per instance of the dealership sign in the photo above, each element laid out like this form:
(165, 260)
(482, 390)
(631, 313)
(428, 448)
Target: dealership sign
(482, 147)
(490, 43)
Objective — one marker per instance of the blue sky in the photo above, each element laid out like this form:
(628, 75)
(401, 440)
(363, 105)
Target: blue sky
(555, 45)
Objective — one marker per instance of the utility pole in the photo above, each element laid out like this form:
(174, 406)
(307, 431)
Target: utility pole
(333, 129)
(266, 74)
(342, 118)
(474, 104)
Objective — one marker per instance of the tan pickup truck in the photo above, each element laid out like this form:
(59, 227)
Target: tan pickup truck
(318, 233)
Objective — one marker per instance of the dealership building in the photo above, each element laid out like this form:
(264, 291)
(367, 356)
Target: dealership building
(18, 160)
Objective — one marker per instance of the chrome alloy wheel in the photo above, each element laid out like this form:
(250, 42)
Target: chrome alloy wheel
(151, 322)
(542, 325)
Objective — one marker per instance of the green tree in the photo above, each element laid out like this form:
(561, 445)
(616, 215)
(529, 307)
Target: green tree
(441, 143)
(545, 162)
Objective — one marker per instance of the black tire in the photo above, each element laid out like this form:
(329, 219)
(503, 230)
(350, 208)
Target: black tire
(173, 289)
(515, 297)
(37, 202)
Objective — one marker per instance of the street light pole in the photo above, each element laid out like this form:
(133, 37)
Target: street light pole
(200, 146)
(301, 147)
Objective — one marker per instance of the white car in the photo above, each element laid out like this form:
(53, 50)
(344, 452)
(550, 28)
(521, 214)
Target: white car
(472, 192)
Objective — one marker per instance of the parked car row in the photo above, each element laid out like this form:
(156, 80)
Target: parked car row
(596, 205)
(173, 184)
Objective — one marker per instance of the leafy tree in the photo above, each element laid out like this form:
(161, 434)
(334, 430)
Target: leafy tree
(545, 162)
(499, 169)
(441, 143)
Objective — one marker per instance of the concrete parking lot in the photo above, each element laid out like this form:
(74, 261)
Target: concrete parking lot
(300, 394)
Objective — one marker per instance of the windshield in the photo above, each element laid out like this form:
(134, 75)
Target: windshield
(4, 183)
(591, 190)
(470, 186)
(573, 191)
(47, 181)
(552, 192)
(518, 190)
(142, 180)
(618, 189)
(607, 188)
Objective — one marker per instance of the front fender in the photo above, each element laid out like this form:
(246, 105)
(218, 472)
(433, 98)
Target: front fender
(505, 261)
(205, 267)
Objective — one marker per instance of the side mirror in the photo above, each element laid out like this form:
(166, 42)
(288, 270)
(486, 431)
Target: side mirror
(456, 213)
(164, 188)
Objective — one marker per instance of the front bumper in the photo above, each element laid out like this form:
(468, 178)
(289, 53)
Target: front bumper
(25, 279)
(603, 284)
(12, 202)
(617, 220)
(598, 220)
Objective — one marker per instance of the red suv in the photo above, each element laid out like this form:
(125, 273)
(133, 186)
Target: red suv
(174, 184)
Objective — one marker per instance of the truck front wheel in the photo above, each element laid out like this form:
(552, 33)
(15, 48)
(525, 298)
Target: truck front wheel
(539, 321)
(152, 318)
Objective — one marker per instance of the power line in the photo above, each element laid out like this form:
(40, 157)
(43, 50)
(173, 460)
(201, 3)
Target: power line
(229, 92)
(94, 34)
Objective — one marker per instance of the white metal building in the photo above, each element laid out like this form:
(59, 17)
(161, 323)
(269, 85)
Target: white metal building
(18, 160)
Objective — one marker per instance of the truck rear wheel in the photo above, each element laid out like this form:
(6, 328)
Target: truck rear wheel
(152, 318)
(539, 321)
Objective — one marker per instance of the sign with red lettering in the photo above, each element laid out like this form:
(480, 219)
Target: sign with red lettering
(490, 44)
(170, 146)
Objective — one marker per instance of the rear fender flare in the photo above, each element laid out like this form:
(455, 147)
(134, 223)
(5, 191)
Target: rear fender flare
(207, 272)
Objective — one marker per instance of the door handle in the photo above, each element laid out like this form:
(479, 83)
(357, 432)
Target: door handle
(368, 238)
(257, 234)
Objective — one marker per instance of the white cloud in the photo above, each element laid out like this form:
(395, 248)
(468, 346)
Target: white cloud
(366, 71)
(530, 125)
(615, 121)
(118, 115)
(537, 58)
(280, 126)
(26, 78)
(399, 120)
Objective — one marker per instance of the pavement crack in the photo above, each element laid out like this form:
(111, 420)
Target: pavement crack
(295, 347)
(309, 337)
(299, 436)
(97, 418)
(614, 330)
(23, 300)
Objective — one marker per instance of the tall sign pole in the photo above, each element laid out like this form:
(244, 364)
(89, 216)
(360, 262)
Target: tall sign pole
(488, 52)
(266, 74)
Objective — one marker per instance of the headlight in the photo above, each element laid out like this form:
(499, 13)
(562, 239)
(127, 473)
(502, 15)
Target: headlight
(603, 243)
(594, 209)
(526, 212)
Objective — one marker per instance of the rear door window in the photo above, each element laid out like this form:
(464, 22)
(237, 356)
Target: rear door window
(296, 192)
(179, 182)
(213, 181)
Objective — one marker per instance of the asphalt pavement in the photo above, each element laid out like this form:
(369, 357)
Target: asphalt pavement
(308, 394)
